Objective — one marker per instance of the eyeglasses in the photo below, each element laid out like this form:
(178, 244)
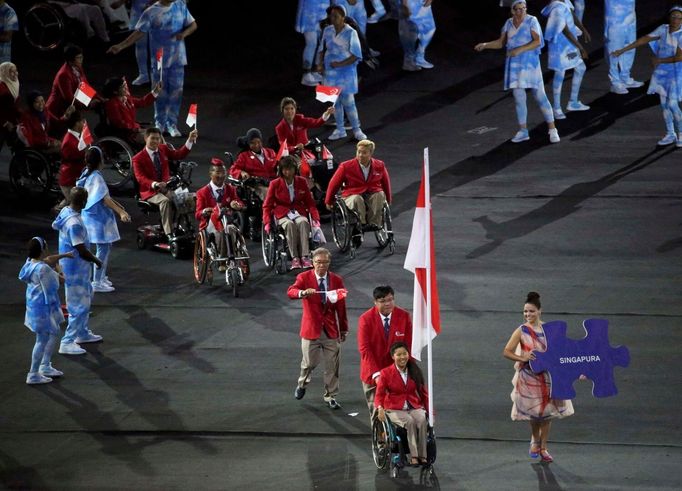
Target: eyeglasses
(321, 262)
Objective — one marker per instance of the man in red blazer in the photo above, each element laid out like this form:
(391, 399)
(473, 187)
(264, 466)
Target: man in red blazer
(216, 192)
(378, 328)
(150, 166)
(366, 185)
(290, 201)
(324, 325)
(293, 128)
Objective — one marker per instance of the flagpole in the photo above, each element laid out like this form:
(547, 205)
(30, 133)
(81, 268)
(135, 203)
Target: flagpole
(429, 303)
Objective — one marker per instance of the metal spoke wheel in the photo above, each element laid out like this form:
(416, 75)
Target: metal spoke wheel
(201, 257)
(117, 164)
(30, 173)
(44, 26)
(384, 235)
(234, 279)
(341, 228)
(380, 444)
(269, 247)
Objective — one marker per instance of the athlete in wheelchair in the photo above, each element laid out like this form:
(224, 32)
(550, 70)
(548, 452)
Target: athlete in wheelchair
(219, 242)
(288, 212)
(364, 201)
(401, 425)
(255, 167)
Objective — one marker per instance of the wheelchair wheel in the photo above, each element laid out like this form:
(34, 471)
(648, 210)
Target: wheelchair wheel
(201, 258)
(381, 446)
(341, 227)
(44, 27)
(269, 247)
(117, 165)
(384, 235)
(30, 173)
(234, 281)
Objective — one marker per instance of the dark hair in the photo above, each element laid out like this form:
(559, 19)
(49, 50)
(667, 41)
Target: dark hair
(78, 195)
(382, 291)
(533, 298)
(74, 118)
(71, 51)
(413, 370)
(111, 87)
(288, 162)
(152, 130)
(32, 96)
(285, 102)
(340, 8)
(35, 247)
(93, 157)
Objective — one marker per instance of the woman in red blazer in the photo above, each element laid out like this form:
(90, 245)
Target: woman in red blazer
(121, 107)
(291, 212)
(401, 394)
(36, 122)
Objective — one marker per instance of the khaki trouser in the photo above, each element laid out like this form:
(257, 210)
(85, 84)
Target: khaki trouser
(414, 421)
(166, 205)
(369, 391)
(297, 233)
(315, 349)
(369, 207)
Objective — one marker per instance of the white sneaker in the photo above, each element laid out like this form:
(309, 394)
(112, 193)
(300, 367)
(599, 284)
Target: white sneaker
(35, 378)
(411, 66)
(619, 89)
(375, 17)
(71, 349)
(577, 106)
(374, 53)
(310, 79)
(101, 287)
(422, 63)
(90, 338)
(678, 144)
(106, 281)
(558, 114)
(520, 136)
(668, 139)
(50, 371)
(633, 84)
(174, 131)
(140, 80)
(359, 135)
(161, 127)
(337, 135)
(554, 136)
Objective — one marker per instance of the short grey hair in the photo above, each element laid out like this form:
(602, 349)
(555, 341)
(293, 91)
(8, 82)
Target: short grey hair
(321, 251)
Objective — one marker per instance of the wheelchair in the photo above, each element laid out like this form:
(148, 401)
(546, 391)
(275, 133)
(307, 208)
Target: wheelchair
(47, 27)
(181, 244)
(322, 170)
(349, 233)
(249, 220)
(390, 448)
(207, 256)
(275, 247)
(32, 173)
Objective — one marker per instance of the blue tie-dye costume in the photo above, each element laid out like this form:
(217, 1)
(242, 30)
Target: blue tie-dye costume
(308, 17)
(666, 81)
(620, 29)
(415, 31)
(357, 12)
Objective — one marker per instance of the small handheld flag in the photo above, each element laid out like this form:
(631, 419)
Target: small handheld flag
(86, 138)
(192, 116)
(84, 94)
(324, 93)
(283, 151)
(335, 295)
(159, 62)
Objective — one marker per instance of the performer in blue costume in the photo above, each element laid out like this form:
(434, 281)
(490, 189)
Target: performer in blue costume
(666, 81)
(416, 27)
(308, 17)
(42, 276)
(522, 37)
(620, 29)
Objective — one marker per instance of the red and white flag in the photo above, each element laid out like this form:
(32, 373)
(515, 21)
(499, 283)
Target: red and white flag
(159, 59)
(192, 115)
(84, 93)
(85, 139)
(324, 93)
(335, 295)
(283, 150)
(421, 261)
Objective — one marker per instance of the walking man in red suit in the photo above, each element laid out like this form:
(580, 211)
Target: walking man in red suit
(150, 166)
(378, 328)
(324, 325)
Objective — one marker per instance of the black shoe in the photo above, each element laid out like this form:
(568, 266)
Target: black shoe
(299, 393)
(333, 404)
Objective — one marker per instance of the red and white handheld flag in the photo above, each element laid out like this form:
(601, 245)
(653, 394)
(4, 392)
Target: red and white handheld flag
(324, 93)
(159, 59)
(192, 115)
(85, 139)
(335, 295)
(84, 93)
(283, 150)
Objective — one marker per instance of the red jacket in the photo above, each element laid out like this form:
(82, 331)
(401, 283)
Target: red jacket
(351, 177)
(121, 115)
(247, 161)
(372, 342)
(9, 106)
(277, 200)
(63, 89)
(300, 132)
(145, 173)
(73, 161)
(392, 392)
(316, 315)
(205, 199)
(33, 130)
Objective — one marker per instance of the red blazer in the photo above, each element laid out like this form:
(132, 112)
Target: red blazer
(277, 200)
(121, 115)
(316, 315)
(300, 132)
(392, 392)
(145, 173)
(33, 130)
(247, 161)
(73, 161)
(205, 199)
(372, 342)
(9, 106)
(351, 177)
(63, 89)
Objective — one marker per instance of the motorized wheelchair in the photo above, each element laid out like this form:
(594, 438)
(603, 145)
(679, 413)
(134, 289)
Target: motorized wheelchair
(249, 220)
(275, 247)
(322, 169)
(32, 173)
(390, 448)
(349, 233)
(207, 256)
(181, 243)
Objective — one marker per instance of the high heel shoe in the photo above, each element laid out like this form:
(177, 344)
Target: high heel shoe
(546, 457)
(534, 450)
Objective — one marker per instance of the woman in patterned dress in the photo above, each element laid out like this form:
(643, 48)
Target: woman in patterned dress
(530, 396)
(522, 37)
(666, 81)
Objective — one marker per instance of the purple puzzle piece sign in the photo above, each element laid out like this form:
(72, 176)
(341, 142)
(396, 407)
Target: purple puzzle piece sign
(566, 359)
